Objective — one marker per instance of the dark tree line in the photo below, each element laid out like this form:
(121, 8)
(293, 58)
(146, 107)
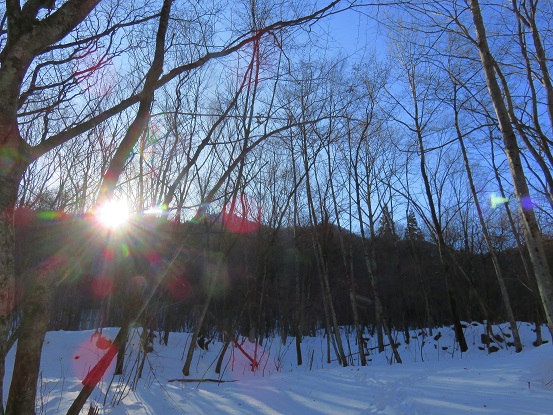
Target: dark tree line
(124, 276)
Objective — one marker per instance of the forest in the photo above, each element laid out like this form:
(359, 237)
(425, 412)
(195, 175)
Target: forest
(275, 179)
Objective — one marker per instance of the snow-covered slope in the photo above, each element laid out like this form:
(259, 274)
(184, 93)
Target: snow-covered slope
(435, 378)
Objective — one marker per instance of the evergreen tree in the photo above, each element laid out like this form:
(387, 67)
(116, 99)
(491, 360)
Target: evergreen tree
(386, 228)
(413, 231)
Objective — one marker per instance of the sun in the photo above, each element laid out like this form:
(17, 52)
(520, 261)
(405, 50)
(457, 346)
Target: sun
(113, 214)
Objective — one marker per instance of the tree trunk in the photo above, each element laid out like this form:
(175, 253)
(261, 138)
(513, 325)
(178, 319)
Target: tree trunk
(369, 259)
(121, 349)
(199, 323)
(382, 326)
(422, 285)
(8, 197)
(298, 306)
(336, 329)
(539, 338)
(327, 317)
(32, 332)
(138, 125)
(29, 346)
(459, 334)
(228, 339)
(298, 288)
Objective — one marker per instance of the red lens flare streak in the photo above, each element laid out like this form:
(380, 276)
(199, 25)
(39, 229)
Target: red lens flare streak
(241, 216)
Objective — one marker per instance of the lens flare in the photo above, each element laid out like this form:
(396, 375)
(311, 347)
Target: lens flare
(102, 287)
(527, 203)
(241, 216)
(495, 200)
(156, 210)
(113, 214)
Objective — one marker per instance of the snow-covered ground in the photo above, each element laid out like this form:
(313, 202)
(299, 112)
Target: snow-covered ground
(435, 378)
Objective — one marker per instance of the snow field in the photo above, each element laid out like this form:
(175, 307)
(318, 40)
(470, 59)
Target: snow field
(436, 378)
